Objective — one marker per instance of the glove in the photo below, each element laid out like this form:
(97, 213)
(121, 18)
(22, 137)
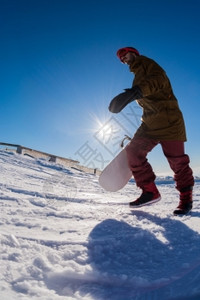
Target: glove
(121, 100)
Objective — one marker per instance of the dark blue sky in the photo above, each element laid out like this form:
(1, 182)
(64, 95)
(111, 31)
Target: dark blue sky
(59, 69)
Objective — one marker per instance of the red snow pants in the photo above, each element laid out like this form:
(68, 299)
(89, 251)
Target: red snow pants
(174, 151)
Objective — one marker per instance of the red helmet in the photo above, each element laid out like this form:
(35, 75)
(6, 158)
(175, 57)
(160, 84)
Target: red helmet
(123, 51)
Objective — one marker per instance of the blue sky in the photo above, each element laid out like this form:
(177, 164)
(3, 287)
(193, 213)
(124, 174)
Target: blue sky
(59, 72)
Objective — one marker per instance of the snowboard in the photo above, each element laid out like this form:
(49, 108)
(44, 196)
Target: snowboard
(116, 174)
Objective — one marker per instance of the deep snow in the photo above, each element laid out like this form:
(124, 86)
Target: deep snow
(63, 237)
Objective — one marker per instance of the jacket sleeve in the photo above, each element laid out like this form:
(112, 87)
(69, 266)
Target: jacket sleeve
(153, 80)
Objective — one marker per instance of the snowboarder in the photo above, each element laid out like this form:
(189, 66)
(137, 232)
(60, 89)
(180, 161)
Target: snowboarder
(162, 123)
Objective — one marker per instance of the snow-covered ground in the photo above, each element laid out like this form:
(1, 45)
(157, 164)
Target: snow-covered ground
(63, 237)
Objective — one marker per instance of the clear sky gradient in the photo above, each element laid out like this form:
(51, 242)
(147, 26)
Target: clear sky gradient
(59, 71)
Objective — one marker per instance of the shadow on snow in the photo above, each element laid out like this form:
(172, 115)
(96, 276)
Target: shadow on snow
(134, 263)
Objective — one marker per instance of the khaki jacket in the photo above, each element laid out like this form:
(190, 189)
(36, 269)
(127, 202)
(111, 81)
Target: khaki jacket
(162, 118)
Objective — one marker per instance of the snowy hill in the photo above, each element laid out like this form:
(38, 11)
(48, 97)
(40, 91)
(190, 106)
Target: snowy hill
(63, 237)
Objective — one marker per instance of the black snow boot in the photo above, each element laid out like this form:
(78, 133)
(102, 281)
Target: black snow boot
(185, 204)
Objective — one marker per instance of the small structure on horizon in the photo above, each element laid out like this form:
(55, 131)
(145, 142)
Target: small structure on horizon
(50, 157)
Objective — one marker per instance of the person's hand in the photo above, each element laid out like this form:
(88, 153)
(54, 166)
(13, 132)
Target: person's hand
(121, 100)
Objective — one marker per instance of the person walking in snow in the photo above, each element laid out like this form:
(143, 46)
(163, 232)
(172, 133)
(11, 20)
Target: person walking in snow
(162, 123)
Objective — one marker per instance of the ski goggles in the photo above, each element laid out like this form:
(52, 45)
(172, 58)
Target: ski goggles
(123, 51)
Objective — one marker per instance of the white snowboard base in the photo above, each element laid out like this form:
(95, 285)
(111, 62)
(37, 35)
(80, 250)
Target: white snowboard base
(116, 174)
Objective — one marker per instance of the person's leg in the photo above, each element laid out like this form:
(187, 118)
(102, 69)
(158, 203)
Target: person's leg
(142, 171)
(137, 152)
(183, 176)
(179, 163)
